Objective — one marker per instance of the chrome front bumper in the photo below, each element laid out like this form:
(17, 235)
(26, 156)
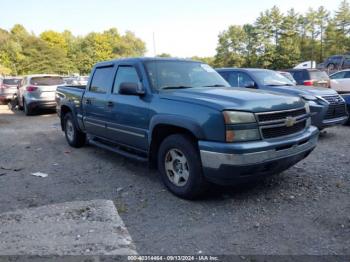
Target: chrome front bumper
(215, 159)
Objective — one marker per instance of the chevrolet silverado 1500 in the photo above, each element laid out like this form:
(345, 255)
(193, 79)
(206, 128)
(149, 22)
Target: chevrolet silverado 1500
(183, 117)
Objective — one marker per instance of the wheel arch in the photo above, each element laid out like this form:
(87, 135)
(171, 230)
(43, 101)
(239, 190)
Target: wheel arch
(164, 126)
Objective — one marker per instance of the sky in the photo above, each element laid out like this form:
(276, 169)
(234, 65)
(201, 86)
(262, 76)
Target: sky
(182, 28)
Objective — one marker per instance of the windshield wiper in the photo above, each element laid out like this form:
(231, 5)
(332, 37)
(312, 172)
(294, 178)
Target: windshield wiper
(280, 85)
(217, 85)
(175, 87)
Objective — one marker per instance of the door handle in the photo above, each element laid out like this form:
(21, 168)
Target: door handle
(88, 101)
(110, 104)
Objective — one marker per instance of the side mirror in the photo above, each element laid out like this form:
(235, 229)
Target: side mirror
(133, 89)
(249, 84)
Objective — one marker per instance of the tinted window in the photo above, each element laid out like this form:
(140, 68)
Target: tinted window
(125, 74)
(232, 78)
(47, 81)
(11, 81)
(244, 80)
(102, 80)
(298, 76)
(338, 75)
(347, 74)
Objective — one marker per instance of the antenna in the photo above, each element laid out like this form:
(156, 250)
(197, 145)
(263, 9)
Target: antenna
(154, 45)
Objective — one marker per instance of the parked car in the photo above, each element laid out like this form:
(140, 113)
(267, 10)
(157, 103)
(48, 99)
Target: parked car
(340, 81)
(38, 91)
(327, 107)
(310, 77)
(346, 97)
(80, 80)
(183, 117)
(336, 62)
(8, 88)
(288, 76)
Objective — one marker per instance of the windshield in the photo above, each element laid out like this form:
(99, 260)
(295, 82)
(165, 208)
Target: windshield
(11, 81)
(272, 78)
(288, 76)
(47, 81)
(182, 74)
(318, 75)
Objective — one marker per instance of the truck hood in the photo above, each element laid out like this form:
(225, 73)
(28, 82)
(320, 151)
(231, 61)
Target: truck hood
(302, 90)
(243, 99)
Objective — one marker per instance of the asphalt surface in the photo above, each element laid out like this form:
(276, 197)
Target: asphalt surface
(305, 210)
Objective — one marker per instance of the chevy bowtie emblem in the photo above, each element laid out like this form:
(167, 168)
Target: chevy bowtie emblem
(290, 121)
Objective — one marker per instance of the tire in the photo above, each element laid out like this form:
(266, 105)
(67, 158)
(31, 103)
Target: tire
(74, 137)
(179, 151)
(27, 110)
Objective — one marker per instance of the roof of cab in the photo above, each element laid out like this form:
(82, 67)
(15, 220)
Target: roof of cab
(241, 69)
(143, 59)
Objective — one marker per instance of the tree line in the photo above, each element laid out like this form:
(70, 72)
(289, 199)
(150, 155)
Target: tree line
(278, 41)
(63, 53)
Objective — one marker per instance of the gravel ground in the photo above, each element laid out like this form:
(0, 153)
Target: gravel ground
(305, 210)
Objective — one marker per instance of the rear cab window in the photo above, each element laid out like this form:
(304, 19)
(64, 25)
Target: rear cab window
(47, 81)
(102, 80)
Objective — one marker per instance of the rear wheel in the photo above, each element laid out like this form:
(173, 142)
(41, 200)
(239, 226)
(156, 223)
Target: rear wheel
(27, 110)
(75, 138)
(180, 167)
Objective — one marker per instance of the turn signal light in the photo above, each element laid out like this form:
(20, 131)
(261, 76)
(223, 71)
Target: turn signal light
(230, 136)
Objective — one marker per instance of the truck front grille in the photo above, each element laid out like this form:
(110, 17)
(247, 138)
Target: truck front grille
(333, 100)
(282, 123)
(274, 132)
(280, 115)
(336, 108)
(336, 111)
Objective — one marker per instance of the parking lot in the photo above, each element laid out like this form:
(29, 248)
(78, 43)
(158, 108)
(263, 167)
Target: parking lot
(305, 210)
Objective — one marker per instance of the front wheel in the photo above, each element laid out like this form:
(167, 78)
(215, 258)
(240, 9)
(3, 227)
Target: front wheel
(75, 138)
(180, 167)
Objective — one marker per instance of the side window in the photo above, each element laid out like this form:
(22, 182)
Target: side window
(338, 75)
(347, 74)
(298, 76)
(233, 79)
(244, 80)
(102, 80)
(126, 74)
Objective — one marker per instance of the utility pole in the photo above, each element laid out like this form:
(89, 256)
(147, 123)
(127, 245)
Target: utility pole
(154, 45)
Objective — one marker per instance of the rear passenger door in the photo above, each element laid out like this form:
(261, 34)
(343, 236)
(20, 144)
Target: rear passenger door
(129, 114)
(95, 101)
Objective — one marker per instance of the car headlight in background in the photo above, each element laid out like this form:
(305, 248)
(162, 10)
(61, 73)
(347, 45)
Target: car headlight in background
(237, 117)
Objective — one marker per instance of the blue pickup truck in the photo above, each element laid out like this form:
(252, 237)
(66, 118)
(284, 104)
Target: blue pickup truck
(327, 107)
(183, 118)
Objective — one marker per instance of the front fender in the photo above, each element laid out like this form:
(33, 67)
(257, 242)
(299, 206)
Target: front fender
(178, 121)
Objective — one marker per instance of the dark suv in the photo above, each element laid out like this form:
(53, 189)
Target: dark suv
(310, 77)
(337, 62)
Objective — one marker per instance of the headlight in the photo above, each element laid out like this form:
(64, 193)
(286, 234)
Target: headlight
(242, 135)
(236, 117)
(309, 97)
